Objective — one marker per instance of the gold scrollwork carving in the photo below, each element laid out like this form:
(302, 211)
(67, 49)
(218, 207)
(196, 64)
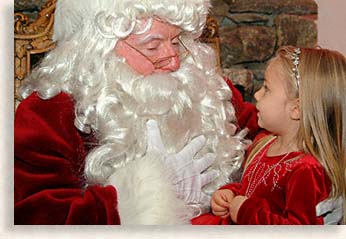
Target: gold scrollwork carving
(31, 38)
(211, 36)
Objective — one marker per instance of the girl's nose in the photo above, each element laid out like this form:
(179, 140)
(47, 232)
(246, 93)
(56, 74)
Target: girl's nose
(258, 94)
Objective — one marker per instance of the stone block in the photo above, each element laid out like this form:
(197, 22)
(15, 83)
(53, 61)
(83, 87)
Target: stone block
(246, 44)
(296, 31)
(303, 7)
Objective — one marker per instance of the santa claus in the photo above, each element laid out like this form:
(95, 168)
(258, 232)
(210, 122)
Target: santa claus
(120, 121)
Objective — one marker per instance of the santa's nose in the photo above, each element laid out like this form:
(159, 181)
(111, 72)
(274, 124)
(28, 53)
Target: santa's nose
(168, 64)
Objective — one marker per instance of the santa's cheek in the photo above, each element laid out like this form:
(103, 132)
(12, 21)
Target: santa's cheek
(136, 61)
(143, 68)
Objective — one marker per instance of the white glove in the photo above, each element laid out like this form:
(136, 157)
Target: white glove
(185, 172)
(331, 210)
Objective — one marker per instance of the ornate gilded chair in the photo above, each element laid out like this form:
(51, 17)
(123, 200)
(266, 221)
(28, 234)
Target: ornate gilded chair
(32, 39)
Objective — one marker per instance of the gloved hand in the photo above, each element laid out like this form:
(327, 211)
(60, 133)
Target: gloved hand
(185, 171)
(331, 210)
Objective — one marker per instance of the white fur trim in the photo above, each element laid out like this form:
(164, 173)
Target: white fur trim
(146, 196)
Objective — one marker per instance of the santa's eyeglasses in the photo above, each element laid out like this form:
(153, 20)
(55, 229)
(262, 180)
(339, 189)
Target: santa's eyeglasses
(180, 50)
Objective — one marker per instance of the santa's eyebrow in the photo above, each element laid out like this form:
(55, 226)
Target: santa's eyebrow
(148, 38)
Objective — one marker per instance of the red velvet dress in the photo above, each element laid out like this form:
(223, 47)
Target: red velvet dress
(49, 187)
(282, 189)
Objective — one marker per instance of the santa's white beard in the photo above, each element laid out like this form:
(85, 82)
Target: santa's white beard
(186, 103)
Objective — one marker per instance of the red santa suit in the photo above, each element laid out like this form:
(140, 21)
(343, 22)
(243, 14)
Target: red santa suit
(49, 187)
(281, 189)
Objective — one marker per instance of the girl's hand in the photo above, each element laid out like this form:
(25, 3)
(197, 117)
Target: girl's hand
(234, 206)
(220, 200)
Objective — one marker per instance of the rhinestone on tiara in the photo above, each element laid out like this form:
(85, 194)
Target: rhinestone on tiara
(295, 61)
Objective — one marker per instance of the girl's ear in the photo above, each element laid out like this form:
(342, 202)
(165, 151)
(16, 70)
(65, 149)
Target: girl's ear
(295, 110)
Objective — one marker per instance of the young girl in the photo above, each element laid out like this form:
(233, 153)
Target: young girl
(302, 162)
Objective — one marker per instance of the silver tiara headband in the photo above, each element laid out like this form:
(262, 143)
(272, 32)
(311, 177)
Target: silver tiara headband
(295, 61)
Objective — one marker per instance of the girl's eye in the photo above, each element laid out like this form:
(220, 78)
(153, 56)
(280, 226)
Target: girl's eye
(265, 88)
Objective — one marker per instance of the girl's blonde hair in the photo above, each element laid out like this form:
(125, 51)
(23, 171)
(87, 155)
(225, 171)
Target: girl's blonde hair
(321, 88)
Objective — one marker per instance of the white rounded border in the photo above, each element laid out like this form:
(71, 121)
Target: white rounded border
(8, 230)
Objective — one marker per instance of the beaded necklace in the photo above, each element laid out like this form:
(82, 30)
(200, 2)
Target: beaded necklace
(254, 182)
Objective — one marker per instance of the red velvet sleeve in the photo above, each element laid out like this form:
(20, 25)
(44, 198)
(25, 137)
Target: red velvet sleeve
(246, 112)
(48, 169)
(306, 186)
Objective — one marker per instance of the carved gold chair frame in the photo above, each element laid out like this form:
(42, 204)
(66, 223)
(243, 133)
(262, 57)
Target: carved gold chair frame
(31, 38)
(35, 37)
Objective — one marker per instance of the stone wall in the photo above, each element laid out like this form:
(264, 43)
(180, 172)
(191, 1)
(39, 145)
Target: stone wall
(252, 30)
(250, 33)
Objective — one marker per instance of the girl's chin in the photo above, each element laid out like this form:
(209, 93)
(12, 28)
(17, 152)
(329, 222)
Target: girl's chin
(259, 122)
